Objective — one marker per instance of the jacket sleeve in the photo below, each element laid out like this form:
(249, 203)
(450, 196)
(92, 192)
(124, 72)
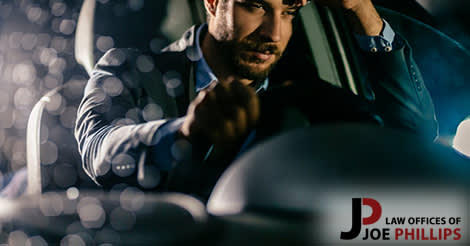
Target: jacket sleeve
(113, 137)
(401, 97)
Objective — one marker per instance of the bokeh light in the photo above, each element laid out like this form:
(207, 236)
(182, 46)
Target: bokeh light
(462, 138)
(17, 238)
(91, 212)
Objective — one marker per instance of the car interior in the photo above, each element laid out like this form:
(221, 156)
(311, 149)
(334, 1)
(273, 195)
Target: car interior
(276, 193)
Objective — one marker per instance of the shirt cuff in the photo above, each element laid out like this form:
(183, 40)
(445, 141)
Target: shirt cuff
(387, 41)
(166, 150)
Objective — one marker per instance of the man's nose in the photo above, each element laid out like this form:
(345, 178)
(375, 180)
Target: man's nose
(271, 28)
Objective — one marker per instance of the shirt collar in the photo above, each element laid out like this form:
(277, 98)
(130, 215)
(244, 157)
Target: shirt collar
(204, 74)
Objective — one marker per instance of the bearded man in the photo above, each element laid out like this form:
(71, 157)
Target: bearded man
(173, 121)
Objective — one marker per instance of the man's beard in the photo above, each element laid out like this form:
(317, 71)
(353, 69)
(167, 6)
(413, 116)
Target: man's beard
(240, 60)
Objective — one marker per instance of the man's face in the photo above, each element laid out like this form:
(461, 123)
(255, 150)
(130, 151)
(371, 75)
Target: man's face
(253, 33)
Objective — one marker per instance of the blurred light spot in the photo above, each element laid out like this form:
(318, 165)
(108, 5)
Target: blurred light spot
(181, 150)
(4, 101)
(57, 66)
(55, 104)
(1, 186)
(151, 178)
(75, 227)
(145, 64)
(104, 43)
(70, 207)
(122, 220)
(120, 9)
(24, 73)
(65, 175)
(112, 86)
(107, 236)
(171, 75)
(86, 237)
(74, 88)
(58, 8)
(133, 114)
(156, 45)
(18, 160)
(49, 153)
(152, 112)
(29, 41)
(132, 199)
(118, 188)
(174, 88)
(103, 168)
(33, 14)
(17, 238)
(461, 141)
(72, 193)
(24, 97)
(43, 19)
(123, 122)
(91, 213)
(14, 40)
(51, 204)
(47, 55)
(44, 133)
(36, 241)
(18, 150)
(123, 165)
(136, 5)
(43, 40)
(52, 81)
(67, 26)
(72, 240)
(2, 61)
(8, 146)
(193, 55)
(118, 57)
(59, 44)
(55, 25)
(7, 118)
(172, 81)
(2, 138)
(68, 117)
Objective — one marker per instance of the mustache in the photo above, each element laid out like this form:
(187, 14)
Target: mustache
(260, 47)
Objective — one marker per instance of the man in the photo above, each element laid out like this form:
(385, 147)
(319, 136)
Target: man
(142, 115)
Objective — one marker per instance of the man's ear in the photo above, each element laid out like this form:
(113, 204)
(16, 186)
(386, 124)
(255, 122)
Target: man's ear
(211, 6)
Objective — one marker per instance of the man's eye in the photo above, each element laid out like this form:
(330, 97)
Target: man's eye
(291, 12)
(253, 5)
(256, 5)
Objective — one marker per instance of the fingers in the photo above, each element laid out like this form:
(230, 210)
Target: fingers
(239, 107)
(222, 113)
(248, 100)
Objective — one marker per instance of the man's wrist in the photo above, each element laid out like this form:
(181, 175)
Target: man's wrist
(385, 42)
(365, 19)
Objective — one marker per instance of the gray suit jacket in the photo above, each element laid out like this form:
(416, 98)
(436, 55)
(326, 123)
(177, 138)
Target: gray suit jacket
(116, 128)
